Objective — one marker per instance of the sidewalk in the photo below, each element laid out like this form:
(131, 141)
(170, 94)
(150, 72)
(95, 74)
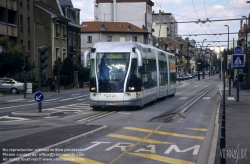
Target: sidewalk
(237, 128)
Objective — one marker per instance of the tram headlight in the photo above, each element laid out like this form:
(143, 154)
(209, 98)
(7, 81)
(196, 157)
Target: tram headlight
(131, 88)
(92, 88)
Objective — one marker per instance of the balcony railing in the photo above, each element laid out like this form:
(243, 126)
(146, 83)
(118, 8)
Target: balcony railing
(11, 29)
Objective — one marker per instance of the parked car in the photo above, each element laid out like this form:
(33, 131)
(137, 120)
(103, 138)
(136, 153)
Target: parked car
(10, 85)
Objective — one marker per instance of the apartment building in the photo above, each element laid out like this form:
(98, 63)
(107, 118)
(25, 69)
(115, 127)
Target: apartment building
(136, 12)
(16, 22)
(93, 32)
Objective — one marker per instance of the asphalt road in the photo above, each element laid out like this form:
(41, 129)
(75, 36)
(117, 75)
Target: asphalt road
(130, 136)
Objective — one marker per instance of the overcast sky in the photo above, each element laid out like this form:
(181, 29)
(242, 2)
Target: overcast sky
(192, 10)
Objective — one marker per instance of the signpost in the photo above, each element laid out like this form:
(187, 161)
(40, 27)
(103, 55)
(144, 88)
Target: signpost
(238, 49)
(238, 60)
(39, 97)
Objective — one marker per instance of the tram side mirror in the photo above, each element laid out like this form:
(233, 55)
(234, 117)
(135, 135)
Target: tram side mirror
(93, 50)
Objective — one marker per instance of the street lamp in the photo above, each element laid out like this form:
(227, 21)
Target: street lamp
(229, 67)
(203, 74)
(246, 33)
(221, 59)
(199, 58)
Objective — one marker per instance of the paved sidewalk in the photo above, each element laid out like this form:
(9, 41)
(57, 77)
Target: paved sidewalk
(237, 128)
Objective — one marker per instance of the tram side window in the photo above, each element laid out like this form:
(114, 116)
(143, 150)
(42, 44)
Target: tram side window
(172, 70)
(149, 73)
(163, 73)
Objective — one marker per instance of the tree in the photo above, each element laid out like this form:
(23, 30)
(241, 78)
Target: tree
(11, 57)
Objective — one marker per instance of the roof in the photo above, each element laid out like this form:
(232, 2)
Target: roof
(63, 5)
(49, 10)
(126, 1)
(123, 27)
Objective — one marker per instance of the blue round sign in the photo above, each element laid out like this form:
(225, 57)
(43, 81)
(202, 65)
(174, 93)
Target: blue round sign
(238, 49)
(39, 96)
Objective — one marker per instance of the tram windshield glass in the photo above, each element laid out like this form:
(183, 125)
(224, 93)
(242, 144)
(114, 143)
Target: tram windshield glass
(111, 71)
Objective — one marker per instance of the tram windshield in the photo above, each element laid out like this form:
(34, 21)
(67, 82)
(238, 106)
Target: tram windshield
(111, 71)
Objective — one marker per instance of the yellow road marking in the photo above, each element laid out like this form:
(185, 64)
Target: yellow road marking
(165, 133)
(138, 139)
(79, 160)
(198, 129)
(162, 158)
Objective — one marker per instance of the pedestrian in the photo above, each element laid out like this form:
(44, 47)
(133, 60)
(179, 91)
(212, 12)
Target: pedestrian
(241, 78)
(226, 78)
(55, 83)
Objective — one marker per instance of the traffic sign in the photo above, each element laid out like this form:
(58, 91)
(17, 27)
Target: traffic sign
(238, 60)
(238, 49)
(38, 96)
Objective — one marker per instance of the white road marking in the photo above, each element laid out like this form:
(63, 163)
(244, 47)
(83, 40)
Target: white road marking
(206, 98)
(15, 100)
(70, 98)
(183, 98)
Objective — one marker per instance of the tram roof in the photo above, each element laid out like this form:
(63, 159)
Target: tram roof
(121, 46)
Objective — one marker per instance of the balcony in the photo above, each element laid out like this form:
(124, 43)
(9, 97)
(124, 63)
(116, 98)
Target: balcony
(11, 29)
(11, 5)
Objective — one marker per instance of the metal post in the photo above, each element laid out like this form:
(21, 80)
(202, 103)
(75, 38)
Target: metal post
(58, 75)
(237, 95)
(25, 85)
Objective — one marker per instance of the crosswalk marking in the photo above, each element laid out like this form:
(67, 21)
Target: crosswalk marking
(70, 98)
(13, 118)
(138, 139)
(183, 98)
(164, 133)
(15, 100)
(206, 98)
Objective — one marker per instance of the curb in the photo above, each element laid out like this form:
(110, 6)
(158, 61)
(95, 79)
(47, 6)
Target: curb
(57, 145)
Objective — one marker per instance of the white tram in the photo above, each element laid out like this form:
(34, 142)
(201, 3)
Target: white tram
(128, 74)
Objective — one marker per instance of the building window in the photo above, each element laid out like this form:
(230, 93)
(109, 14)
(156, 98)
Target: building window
(67, 12)
(29, 45)
(69, 39)
(64, 54)
(21, 23)
(134, 38)
(122, 38)
(28, 24)
(21, 41)
(74, 41)
(57, 53)
(64, 31)
(89, 39)
(21, 3)
(57, 30)
(28, 4)
(109, 38)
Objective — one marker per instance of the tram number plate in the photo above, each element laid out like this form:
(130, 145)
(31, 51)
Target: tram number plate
(110, 103)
